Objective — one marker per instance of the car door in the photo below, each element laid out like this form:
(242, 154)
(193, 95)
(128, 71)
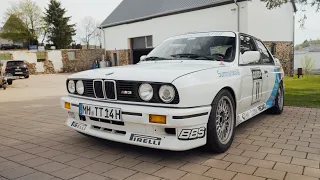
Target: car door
(254, 81)
(270, 70)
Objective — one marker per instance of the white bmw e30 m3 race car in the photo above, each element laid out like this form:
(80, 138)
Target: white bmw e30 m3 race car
(192, 90)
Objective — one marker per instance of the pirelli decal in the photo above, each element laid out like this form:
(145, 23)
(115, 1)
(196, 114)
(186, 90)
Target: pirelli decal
(145, 139)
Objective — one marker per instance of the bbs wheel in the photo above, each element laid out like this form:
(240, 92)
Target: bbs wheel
(279, 102)
(221, 123)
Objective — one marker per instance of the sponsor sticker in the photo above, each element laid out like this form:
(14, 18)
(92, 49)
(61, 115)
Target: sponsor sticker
(228, 73)
(145, 139)
(191, 134)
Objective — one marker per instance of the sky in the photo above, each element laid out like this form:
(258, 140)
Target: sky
(100, 9)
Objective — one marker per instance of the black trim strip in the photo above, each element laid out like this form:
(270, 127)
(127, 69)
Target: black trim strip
(190, 116)
(131, 113)
(76, 105)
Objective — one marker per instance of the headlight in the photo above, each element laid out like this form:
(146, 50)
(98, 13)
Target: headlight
(80, 87)
(146, 92)
(166, 93)
(71, 86)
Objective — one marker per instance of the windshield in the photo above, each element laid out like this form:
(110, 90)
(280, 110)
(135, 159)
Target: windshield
(15, 63)
(195, 47)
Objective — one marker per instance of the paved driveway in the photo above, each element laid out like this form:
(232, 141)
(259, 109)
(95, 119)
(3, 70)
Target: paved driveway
(36, 145)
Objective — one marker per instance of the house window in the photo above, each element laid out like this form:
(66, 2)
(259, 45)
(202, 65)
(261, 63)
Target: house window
(71, 55)
(142, 42)
(41, 56)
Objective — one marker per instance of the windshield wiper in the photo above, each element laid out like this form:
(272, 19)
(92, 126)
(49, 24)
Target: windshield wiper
(155, 58)
(192, 56)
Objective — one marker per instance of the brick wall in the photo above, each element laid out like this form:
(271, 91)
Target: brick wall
(83, 59)
(284, 52)
(124, 57)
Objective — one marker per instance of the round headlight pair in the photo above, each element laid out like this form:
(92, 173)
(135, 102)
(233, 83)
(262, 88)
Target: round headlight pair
(166, 93)
(76, 87)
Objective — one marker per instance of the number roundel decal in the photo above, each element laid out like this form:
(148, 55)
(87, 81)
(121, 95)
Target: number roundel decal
(257, 85)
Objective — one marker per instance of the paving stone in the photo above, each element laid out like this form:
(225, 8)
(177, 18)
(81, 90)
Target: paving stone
(50, 153)
(107, 158)
(194, 168)
(126, 162)
(308, 149)
(217, 163)
(253, 154)
(90, 154)
(172, 162)
(99, 167)
(294, 153)
(240, 176)
(142, 176)
(11, 152)
(36, 176)
(35, 162)
(37, 150)
(313, 156)
(270, 150)
(22, 157)
(278, 158)
(146, 167)
(8, 165)
(268, 173)
(169, 173)
(68, 173)
(63, 158)
(263, 143)
(305, 162)
(241, 168)
(220, 174)
(90, 176)
(81, 162)
(284, 146)
(288, 168)
(119, 173)
(236, 159)
(17, 172)
(261, 163)
(248, 147)
(190, 176)
(291, 176)
(235, 151)
(50, 167)
(276, 140)
(299, 143)
(313, 172)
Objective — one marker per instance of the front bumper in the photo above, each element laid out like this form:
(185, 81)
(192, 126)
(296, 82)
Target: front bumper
(188, 124)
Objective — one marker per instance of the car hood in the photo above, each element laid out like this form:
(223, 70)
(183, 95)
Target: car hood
(158, 71)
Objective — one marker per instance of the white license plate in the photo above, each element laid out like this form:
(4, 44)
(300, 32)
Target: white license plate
(79, 125)
(19, 72)
(100, 112)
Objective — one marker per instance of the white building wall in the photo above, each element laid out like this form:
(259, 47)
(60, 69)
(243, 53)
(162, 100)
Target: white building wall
(56, 58)
(211, 19)
(270, 25)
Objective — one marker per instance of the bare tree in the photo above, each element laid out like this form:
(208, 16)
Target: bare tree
(89, 30)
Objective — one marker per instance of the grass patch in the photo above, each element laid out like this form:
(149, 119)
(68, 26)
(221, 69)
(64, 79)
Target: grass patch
(302, 92)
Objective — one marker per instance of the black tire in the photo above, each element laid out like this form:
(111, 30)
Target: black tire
(9, 81)
(278, 108)
(26, 76)
(213, 142)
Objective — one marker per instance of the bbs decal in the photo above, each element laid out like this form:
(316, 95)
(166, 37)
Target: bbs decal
(257, 85)
(191, 134)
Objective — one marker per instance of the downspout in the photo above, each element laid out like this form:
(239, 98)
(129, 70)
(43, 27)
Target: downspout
(238, 15)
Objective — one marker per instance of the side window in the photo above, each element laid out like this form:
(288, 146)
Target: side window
(265, 56)
(247, 44)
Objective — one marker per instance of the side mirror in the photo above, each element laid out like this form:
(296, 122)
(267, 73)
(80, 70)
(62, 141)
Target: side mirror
(249, 57)
(142, 58)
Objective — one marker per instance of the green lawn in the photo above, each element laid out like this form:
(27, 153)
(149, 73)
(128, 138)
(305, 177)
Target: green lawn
(302, 92)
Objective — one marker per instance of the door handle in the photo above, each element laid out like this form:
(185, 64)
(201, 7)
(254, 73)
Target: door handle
(265, 71)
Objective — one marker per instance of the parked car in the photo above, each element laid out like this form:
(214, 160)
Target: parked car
(14, 68)
(190, 91)
(9, 46)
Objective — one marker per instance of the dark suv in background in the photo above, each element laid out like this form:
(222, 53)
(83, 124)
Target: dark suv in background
(15, 68)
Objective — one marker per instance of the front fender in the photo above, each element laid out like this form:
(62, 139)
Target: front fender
(199, 89)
